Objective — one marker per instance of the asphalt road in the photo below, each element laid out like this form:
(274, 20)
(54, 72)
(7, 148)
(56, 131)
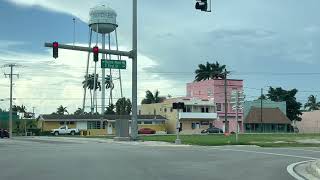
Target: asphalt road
(90, 159)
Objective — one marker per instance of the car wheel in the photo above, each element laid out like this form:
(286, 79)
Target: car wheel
(56, 133)
(72, 133)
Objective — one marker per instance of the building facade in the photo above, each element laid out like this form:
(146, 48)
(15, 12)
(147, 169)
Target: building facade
(214, 89)
(310, 122)
(96, 125)
(198, 114)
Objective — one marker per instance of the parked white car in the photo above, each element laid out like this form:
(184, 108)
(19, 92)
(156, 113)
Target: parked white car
(64, 130)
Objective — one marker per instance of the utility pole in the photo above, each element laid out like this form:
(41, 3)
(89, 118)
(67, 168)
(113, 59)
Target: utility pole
(226, 123)
(237, 118)
(10, 76)
(237, 98)
(134, 126)
(261, 109)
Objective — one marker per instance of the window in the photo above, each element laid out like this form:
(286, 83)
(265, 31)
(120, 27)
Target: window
(165, 110)
(147, 122)
(71, 122)
(193, 125)
(199, 92)
(207, 109)
(104, 124)
(158, 122)
(94, 124)
(197, 125)
(139, 122)
(154, 112)
(171, 109)
(160, 109)
(139, 112)
(209, 90)
(63, 127)
(202, 109)
(189, 93)
(218, 107)
(61, 122)
(187, 109)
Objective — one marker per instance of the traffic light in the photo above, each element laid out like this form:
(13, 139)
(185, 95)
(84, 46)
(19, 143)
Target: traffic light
(55, 47)
(95, 54)
(202, 5)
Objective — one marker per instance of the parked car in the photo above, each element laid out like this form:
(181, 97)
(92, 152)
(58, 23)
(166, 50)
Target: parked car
(212, 130)
(4, 133)
(64, 130)
(146, 131)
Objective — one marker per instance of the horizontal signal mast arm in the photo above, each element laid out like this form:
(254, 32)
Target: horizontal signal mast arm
(87, 49)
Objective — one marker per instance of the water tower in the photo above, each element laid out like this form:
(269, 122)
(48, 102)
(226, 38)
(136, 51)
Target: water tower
(102, 22)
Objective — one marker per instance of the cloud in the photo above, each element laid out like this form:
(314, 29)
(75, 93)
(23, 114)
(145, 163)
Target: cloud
(46, 83)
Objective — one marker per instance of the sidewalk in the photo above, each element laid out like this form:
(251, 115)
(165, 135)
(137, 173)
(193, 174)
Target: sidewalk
(98, 140)
(307, 170)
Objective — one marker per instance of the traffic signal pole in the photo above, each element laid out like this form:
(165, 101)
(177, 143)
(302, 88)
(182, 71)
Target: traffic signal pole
(87, 49)
(134, 124)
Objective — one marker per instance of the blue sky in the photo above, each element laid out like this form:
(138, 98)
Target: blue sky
(265, 42)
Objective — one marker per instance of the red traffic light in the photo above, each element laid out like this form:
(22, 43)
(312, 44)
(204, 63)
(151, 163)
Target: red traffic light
(95, 49)
(55, 44)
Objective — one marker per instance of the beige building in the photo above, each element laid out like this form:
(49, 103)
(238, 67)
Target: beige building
(310, 122)
(198, 114)
(96, 125)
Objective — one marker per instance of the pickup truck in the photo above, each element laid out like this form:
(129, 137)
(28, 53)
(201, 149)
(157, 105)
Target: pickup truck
(64, 130)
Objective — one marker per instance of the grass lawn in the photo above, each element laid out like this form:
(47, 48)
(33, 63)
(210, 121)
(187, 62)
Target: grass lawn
(263, 140)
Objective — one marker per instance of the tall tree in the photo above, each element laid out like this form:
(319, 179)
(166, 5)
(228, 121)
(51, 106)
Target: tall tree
(293, 107)
(90, 85)
(61, 110)
(152, 98)
(210, 71)
(123, 106)
(110, 110)
(312, 104)
(79, 111)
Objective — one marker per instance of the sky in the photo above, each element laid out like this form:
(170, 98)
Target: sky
(265, 43)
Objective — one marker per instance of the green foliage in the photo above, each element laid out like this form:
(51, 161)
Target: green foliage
(123, 106)
(61, 110)
(210, 71)
(152, 98)
(79, 111)
(293, 107)
(110, 110)
(89, 83)
(312, 104)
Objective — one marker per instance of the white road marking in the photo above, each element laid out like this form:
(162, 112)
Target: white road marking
(291, 171)
(306, 150)
(267, 153)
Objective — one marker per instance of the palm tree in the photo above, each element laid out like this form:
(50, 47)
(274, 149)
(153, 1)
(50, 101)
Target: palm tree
(79, 111)
(110, 110)
(152, 98)
(210, 71)
(123, 106)
(89, 83)
(61, 110)
(108, 82)
(312, 104)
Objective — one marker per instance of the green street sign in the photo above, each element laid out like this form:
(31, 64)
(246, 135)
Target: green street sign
(113, 64)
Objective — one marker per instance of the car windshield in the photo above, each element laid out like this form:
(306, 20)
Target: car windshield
(159, 89)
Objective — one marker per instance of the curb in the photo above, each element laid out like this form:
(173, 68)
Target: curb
(291, 169)
(314, 168)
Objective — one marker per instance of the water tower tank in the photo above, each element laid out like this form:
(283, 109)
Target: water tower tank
(103, 19)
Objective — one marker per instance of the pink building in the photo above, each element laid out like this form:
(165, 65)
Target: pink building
(215, 89)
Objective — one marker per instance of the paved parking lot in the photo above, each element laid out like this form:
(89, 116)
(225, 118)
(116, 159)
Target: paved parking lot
(82, 159)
